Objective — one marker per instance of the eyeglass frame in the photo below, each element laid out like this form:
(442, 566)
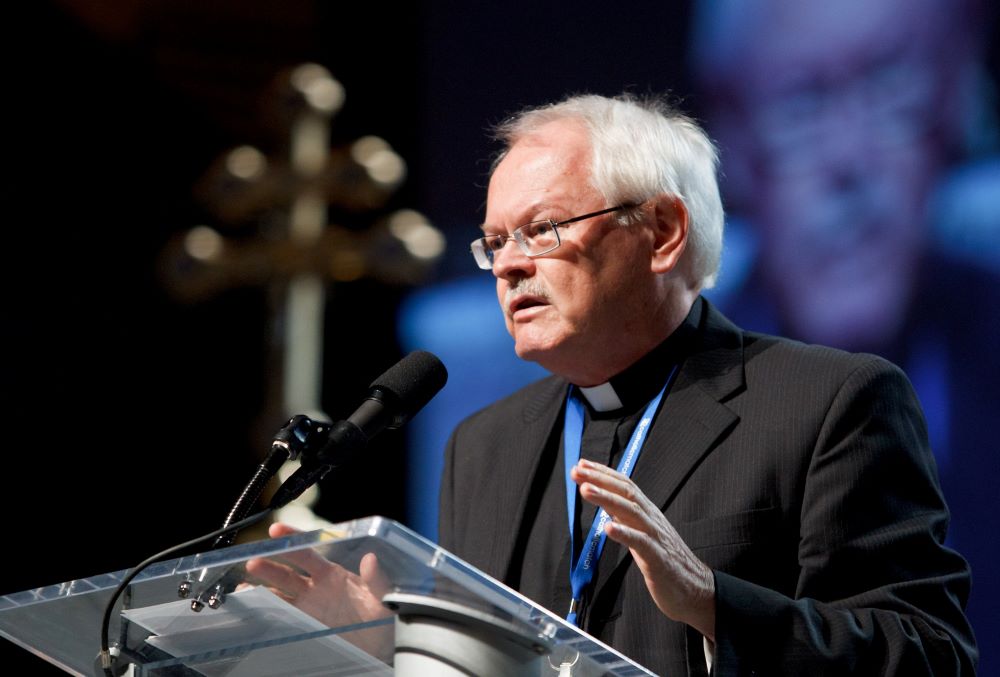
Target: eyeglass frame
(482, 253)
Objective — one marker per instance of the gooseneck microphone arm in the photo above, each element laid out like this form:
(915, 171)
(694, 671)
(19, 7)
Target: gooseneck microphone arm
(345, 439)
(392, 400)
(300, 436)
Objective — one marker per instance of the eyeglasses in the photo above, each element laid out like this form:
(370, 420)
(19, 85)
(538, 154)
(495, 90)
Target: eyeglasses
(534, 239)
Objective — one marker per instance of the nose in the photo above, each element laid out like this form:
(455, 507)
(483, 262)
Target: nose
(510, 262)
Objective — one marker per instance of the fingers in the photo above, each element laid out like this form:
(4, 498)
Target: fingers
(305, 559)
(613, 491)
(293, 575)
(308, 561)
(324, 589)
(275, 574)
(298, 572)
(681, 585)
(639, 542)
(279, 529)
(373, 576)
(601, 475)
(282, 580)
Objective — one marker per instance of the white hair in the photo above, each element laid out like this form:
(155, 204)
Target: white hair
(641, 148)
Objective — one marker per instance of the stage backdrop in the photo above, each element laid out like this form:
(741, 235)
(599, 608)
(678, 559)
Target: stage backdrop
(861, 180)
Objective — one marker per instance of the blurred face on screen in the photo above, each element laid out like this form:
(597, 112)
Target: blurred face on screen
(839, 130)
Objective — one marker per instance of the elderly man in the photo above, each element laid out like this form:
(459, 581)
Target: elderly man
(696, 496)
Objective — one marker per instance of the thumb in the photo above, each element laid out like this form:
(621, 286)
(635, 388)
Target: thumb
(373, 577)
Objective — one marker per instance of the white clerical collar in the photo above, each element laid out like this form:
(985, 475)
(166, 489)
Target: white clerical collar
(602, 397)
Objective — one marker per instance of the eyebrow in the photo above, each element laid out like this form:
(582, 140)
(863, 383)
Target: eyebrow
(535, 207)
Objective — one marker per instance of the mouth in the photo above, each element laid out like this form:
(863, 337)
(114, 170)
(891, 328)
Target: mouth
(523, 303)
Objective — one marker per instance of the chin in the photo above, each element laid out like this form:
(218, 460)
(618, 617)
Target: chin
(533, 351)
(529, 352)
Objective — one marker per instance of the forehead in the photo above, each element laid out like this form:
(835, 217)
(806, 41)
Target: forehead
(550, 167)
(794, 43)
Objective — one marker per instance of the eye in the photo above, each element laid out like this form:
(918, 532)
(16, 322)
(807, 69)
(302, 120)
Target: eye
(494, 243)
(536, 229)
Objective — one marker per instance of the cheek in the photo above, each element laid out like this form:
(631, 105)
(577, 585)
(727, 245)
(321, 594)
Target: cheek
(602, 300)
(501, 293)
(571, 296)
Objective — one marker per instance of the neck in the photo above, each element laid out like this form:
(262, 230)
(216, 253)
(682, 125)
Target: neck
(599, 367)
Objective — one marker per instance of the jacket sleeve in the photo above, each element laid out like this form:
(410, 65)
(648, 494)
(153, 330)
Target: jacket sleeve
(878, 592)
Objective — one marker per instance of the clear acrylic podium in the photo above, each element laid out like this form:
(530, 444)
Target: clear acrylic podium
(444, 617)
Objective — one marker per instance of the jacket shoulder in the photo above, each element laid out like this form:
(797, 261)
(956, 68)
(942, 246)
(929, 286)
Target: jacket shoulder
(526, 402)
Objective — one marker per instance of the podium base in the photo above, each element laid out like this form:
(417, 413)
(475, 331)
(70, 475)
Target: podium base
(436, 638)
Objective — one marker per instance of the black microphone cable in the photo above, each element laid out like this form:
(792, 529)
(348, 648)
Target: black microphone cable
(300, 435)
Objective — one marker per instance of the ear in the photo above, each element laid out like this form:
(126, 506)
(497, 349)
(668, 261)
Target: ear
(670, 231)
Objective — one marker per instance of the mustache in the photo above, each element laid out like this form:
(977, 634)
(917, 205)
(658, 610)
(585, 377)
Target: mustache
(525, 286)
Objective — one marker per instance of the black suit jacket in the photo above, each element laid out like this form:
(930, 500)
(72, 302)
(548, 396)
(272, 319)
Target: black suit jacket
(802, 475)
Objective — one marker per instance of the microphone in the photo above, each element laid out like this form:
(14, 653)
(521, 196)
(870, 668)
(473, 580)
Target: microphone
(393, 399)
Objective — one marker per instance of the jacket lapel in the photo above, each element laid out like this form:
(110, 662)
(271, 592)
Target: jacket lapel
(691, 421)
(522, 456)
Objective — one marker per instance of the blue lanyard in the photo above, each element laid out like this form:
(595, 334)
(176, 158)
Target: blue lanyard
(582, 572)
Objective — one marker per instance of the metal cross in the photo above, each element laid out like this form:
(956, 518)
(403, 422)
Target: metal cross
(244, 187)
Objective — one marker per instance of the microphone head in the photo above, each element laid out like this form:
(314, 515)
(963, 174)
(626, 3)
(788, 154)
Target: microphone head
(409, 385)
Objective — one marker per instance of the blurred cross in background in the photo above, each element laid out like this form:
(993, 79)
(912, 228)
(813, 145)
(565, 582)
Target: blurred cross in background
(275, 231)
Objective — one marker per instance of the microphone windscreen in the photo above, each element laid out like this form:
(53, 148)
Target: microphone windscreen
(413, 381)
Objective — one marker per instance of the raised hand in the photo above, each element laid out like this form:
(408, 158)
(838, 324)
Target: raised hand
(682, 586)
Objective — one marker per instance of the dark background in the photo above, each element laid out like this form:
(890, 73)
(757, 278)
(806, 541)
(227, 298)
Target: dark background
(133, 419)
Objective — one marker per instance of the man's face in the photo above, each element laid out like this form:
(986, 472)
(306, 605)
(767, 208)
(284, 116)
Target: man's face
(572, 307)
